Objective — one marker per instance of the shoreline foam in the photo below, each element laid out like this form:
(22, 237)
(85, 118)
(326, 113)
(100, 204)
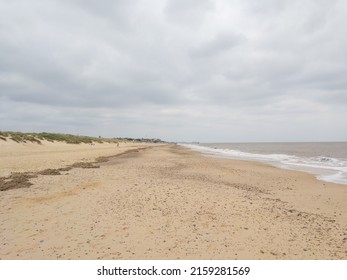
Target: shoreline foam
(324, 168)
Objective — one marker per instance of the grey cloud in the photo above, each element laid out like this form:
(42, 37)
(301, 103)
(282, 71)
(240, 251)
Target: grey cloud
(218, 45)
(188, 11)
(267, 7)
(174, 69)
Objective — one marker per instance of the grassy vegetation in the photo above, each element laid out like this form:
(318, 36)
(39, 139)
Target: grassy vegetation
(21, 137)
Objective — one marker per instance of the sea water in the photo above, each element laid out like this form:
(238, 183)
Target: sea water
(327, 160)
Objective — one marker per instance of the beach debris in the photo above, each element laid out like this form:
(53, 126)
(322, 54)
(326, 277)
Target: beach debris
(22, 180)
(16, 181)
(50, 172)
(85, 165)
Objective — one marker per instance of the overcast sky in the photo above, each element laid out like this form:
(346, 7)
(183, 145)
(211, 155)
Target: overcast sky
(179, 70)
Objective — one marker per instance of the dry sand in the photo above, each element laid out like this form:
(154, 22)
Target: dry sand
(164, 202)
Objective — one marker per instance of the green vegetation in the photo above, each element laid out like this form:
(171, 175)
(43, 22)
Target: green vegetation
(71, 139)
(21, 137)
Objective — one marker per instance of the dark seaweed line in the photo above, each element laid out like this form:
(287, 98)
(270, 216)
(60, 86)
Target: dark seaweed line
(19, 180)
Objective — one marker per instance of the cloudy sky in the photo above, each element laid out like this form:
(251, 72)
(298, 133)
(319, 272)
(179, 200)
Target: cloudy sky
(179, 70)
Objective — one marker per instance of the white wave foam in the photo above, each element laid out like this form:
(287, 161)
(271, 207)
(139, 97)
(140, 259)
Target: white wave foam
(325, 168)
(339, 177)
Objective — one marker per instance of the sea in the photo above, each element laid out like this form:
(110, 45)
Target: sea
(326, 160)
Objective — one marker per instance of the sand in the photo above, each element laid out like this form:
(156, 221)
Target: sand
(150, 201)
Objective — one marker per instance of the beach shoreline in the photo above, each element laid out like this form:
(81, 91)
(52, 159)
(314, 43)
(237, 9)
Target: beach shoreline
(147, 201)
(326, 160)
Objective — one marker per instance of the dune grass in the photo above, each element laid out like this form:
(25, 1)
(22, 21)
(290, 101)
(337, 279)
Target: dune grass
(21, 137)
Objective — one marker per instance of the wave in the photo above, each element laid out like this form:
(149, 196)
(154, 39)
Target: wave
(325, 168)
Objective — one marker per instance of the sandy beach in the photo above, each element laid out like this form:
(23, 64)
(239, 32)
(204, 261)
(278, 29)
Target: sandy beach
(161, 201)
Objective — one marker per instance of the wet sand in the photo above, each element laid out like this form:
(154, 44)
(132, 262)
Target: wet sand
(166, 202)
